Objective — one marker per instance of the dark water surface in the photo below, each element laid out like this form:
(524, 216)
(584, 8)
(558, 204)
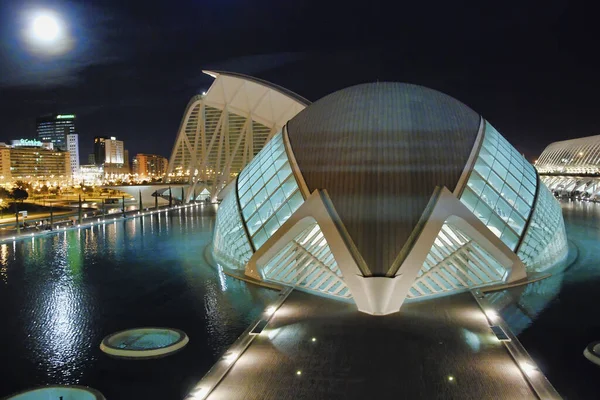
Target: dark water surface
(60, 295)
(556, 318)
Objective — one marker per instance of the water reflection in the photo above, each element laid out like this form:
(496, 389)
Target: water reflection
(67, 291)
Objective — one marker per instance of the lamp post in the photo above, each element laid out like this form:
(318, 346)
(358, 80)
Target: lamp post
(79, 209)
(17, 217)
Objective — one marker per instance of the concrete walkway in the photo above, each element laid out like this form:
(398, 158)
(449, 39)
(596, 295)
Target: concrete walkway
(316, 348)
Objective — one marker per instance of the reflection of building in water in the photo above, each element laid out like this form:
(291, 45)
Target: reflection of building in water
(382, 192)
(521, 305)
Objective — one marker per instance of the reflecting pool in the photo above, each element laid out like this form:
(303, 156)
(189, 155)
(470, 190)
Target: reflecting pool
(556, 318)
(60, 295)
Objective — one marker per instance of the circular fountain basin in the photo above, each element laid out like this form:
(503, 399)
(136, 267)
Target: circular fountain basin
(142, 343)
(592, 352)
(63, 392)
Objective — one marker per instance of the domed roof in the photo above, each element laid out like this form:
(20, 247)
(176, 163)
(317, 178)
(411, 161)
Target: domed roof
(380, 150)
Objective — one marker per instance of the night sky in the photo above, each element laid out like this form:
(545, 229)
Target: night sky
(531, 69)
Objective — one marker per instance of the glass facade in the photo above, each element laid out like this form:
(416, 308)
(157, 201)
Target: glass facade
(454, 263)
(501, 188)
(230, 243)
(307, 263)
(545, 241)
(268, 191)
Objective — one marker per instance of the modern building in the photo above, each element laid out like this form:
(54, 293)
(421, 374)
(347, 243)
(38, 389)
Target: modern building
(38, 163)
(91, 159)
(73, 149)
(110, 154)
(384, 192)
(100, 149)
(150, 165)
(55, 128)
(572, 168)
(224, 128)
(91, 174)
(5, 173)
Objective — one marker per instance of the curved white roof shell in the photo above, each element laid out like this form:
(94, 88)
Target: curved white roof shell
(225, 127)
(575, 156)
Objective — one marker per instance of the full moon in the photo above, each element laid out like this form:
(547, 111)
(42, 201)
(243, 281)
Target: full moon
(45, 28)
(45, 33)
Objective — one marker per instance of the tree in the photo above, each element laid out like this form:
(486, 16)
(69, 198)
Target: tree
(19, 194)
(23, 185)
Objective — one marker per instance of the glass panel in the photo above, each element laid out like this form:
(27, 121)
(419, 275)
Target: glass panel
(509, 238)
(489, 196)
(495, 181)
(496, 225)
(254, 224)
(272, 185)
(482, 168)
(265, 211)
(503, 209)
(284, 213)
(469, 199)
(516, 222)
(271, 226)
(295, 201)
(486, 156)
(260, 198)
(260, 238)
(278, 198)
(483, 212)
(509, 194)
(249, 209)
(289, 186)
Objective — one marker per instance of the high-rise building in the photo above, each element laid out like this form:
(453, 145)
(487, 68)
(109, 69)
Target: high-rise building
(100, 149)
(150, 165)
(55, 128)
(110, 154)
(73, 148)
(126, 161)
(91, 159)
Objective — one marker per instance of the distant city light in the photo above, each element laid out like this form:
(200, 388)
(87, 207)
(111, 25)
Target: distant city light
(298, 372)
(450, 378)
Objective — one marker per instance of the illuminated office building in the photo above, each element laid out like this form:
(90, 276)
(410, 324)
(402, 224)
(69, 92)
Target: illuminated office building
(55, 128)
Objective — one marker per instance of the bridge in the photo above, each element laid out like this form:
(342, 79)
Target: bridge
(150, 192)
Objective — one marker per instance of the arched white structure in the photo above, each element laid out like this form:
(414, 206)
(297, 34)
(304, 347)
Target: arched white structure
(572, 167)
(571, 157)
(223, 129)
(447, 203)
